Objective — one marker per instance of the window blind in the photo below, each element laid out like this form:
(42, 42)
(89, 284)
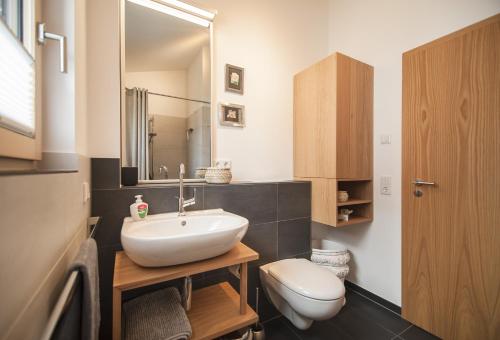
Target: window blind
(17, 85)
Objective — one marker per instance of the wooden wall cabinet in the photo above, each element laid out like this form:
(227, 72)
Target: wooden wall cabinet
(333, 136)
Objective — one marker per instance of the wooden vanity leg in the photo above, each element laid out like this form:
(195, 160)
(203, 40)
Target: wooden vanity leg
(243, 287)
(117, 314)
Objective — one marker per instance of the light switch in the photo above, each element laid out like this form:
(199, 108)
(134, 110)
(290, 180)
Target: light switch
(386, 185)
(86, 192)
(385, 139)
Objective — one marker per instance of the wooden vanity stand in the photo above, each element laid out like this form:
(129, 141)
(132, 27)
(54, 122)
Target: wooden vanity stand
(215, 310)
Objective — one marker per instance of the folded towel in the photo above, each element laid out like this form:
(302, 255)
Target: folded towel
(156, 316)
(86, 263)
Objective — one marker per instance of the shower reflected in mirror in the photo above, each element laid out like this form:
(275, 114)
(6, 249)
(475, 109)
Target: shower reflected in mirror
(166, 78)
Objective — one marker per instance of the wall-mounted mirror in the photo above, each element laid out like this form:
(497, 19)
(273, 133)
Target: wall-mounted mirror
(166, 91)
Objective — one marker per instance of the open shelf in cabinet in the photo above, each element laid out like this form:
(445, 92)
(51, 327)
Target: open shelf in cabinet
(360, 201)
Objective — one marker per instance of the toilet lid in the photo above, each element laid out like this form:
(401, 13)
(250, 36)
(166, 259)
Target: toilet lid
(308, 279)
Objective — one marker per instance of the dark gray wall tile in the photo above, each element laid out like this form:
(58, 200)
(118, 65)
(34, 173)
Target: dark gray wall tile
(256, 202)
(294, 237)
(263, 238)
(294, 200)
(106, 257)
(266, 308)
(105, 173)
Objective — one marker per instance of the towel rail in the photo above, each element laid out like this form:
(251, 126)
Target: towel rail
(68, 291)
(61, 305)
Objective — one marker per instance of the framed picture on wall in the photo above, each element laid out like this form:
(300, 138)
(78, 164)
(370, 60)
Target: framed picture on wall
(232, 115)
(235, 78)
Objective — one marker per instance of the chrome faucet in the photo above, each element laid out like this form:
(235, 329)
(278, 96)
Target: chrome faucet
(184, 203)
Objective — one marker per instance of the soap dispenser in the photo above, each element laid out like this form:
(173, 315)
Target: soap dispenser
(139, 209)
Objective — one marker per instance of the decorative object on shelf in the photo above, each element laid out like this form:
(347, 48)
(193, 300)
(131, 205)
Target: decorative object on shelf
(200, 172)
(343, 196)
(218, 175)
(235, 77)
(332, 256)
(232, 115)
(344, 214)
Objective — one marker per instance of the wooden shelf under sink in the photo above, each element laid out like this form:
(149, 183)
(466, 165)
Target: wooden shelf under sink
(215, 311)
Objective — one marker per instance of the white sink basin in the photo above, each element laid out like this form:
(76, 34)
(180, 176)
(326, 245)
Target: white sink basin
(168, 239)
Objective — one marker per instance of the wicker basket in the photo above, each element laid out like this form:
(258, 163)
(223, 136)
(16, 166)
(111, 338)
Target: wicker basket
(218, 175)
(200, 172)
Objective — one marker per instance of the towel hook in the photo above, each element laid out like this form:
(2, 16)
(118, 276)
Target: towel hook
(43, 35)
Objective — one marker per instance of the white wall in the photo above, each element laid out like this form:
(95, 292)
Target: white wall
(273, 40)
(378, 32)
(173, 83)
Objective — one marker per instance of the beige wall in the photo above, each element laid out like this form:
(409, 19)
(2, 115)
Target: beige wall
(43, 217)
(103, 80)
(378, 32)
(273, 40)
(43, 221)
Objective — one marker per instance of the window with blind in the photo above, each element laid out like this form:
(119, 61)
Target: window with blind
(18, 92)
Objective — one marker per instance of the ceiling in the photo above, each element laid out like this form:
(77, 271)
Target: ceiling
(155, 41)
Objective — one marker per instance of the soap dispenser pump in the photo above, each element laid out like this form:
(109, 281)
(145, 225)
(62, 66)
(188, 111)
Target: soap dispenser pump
(139, 209)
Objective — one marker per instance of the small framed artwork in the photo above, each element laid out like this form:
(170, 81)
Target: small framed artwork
(235, 78)
(232, 115)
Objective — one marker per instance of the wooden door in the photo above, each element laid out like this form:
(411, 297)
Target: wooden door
(451, 136)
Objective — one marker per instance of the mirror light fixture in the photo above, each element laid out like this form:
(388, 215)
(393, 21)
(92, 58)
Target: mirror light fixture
(179, 9)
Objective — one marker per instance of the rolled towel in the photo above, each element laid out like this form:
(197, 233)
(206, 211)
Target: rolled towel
(341, 271)
(156, 316)
(336, 260)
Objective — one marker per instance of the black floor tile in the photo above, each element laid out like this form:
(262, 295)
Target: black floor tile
(359, 325)
(416, 333)
(320, 330)
(378, 314)
(277, 330)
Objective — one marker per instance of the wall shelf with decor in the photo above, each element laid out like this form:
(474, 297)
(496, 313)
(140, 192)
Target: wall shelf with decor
(360, 201)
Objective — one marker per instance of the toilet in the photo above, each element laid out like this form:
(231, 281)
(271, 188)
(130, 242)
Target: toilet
(302, 291)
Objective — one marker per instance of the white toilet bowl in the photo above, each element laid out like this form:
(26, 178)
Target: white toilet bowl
(302, 291)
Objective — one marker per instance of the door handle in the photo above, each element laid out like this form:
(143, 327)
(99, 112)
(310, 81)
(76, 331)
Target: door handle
(419, 182)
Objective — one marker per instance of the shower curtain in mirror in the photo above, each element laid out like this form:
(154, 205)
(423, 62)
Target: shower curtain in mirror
(136, 131)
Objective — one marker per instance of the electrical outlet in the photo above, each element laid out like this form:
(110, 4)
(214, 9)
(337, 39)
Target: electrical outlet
(223, 163)
(385, 139)
(386, 185)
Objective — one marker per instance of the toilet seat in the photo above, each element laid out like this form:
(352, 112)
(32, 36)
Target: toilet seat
(307, 279)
